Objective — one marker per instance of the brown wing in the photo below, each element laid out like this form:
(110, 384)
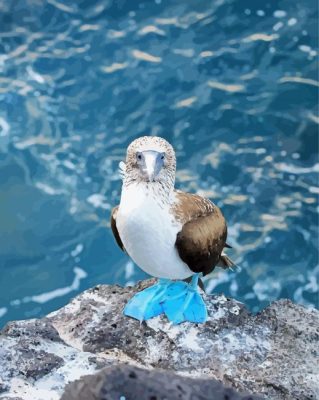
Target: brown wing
(201, 241)
(114, 228)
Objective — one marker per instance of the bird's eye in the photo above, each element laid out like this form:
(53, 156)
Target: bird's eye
(162, 156)
(139, 156)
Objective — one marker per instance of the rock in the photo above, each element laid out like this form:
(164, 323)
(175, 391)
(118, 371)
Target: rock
(131, 383)
(3, 386)
(32, 362)
(273, 353)
(11, 398)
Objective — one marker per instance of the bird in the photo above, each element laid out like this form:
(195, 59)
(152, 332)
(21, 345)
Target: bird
(172, 235)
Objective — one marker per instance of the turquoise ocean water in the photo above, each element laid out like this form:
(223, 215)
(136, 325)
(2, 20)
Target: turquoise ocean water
(233, 85)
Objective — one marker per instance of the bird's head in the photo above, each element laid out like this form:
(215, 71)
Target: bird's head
(150, 159)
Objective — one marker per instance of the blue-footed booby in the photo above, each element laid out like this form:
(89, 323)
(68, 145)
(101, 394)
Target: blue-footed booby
(170, 234)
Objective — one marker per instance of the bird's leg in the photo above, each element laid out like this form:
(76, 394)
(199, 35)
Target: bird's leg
(194, 282)
(182, 302)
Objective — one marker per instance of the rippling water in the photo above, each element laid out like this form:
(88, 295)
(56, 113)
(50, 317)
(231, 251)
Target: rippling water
(231, 84)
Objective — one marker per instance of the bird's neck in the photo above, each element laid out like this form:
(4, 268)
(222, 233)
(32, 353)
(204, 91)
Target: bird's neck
(141, 192)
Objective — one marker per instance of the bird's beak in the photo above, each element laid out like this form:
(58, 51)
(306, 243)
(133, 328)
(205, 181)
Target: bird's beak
(153, 164)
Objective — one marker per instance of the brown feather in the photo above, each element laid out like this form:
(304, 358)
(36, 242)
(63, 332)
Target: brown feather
(114, 228)
(203, 236)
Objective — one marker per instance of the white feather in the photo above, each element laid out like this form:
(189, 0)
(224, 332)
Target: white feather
(148, 232)
(122, 169)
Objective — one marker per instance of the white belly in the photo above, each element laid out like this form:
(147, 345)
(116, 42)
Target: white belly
(149, 234)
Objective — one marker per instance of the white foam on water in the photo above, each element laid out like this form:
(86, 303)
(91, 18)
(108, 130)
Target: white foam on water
(3, 311)
(98, 201)
(78, 250)
(295, 169)
(129, 269)
(4, 127)
(280, 14)
(48, 296)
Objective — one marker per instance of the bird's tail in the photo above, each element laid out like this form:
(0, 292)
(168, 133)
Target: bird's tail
(225, 262)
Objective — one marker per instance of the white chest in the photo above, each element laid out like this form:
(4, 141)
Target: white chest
(148, 232)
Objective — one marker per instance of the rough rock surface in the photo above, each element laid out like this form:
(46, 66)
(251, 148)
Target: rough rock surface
(273, 353)
(130, 383)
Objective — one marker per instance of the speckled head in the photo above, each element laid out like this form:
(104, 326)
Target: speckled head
(150, 159)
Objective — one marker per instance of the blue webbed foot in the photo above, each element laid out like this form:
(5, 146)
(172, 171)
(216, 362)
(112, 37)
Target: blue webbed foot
(183, 302)
(147, 303)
